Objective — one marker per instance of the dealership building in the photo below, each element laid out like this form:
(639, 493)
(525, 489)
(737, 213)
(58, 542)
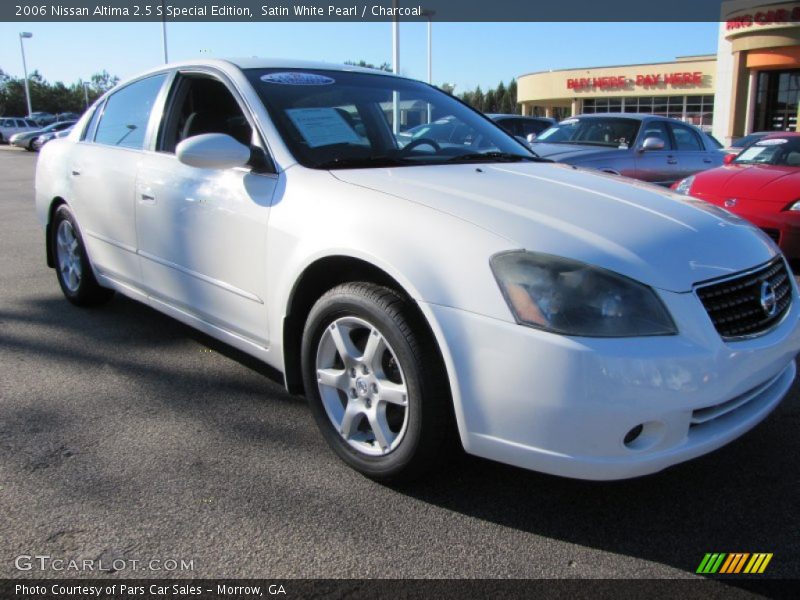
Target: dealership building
(751, 84)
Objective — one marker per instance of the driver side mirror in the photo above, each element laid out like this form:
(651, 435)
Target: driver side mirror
(653, 143)
(729, 158)
(212, 151)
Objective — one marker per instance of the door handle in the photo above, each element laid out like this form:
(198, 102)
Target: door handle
(75, 173)
(147, 199)
(671, 160)
(707, 160)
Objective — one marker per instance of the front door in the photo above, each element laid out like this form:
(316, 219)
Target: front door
(202, 233)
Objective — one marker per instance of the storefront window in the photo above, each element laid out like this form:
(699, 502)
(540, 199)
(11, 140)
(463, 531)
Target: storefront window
(777, 97)
(700, 111)
(697, 110)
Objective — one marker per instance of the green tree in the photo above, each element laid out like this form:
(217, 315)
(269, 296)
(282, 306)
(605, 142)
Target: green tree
(502, 99)
(51, 97)
(382, 67)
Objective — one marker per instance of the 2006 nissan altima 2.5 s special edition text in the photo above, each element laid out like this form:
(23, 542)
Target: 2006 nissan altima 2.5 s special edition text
(424, 293)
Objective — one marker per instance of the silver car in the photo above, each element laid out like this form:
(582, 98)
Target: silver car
(11, 125)
(26, 139)
(654, 149)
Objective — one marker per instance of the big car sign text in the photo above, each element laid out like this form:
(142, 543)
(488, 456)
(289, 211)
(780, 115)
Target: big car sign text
(642, 80)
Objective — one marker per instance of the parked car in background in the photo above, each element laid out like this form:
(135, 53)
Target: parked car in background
(422, 294)
(42, 118)
(447, 131)
(48, 137)
(522, 126)
(760, 184)
(740, 143)
(647, 147)
(26, 139)
(68, 116)
(12, 125)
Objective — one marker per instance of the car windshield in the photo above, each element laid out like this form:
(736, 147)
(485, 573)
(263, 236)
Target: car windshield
(784, 151)
(344, 119)
(612, 131)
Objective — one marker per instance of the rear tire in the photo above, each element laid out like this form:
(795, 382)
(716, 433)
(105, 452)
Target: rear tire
(376, 384)
(73, 269)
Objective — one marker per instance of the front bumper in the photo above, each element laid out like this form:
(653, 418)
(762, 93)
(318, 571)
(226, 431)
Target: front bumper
(19, 143)
(563, 405)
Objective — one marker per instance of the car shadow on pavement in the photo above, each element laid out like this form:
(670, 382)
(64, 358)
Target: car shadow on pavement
(742, 498)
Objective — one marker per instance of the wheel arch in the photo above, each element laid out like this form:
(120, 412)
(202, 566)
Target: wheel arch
(51, 211)
(317, 278)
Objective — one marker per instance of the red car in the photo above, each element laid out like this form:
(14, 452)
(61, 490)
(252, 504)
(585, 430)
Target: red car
(760, 184)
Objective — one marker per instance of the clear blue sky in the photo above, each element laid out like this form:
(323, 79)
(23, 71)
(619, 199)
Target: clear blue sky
(467, 54)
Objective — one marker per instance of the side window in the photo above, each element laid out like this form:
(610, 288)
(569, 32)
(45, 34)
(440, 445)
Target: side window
(657, 129)
(202, 104)
(124, 120)
(510, 125)
(21, 123)
(91, 126)
(685, 138)
(529, 126)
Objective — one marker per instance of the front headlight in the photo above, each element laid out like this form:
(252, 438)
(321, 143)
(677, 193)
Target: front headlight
(793, 206)
(573, 298)
(684, 186)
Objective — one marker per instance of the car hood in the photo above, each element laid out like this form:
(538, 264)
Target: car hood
(573, 153)
(24, 135)
(638, 230)
(749, 181)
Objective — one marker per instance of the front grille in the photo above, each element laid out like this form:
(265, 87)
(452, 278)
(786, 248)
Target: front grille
(735, 304)
(775, 234)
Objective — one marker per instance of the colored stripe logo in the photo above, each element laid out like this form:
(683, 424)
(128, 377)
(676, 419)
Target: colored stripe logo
(734, 563)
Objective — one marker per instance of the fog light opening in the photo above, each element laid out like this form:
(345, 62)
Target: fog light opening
(633, 435)
(645, 436)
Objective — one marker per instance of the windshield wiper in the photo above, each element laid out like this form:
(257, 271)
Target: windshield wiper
(497, 157)
(362, 162)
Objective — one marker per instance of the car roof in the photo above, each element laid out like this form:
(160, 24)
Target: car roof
(502, 115)
(264, 63)
(776, 134)
(621, 115)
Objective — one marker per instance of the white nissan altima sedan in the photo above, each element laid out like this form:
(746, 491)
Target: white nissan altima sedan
(422, 293)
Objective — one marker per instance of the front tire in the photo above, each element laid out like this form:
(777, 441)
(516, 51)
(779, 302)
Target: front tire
(375, 383)
(73, 270)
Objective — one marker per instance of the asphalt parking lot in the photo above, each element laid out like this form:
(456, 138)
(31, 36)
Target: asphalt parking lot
(124, 434)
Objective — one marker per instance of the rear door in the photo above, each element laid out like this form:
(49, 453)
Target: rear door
(656, 166)
(692, 154)
(103, 177)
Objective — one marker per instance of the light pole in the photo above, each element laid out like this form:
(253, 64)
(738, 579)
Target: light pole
(164, 32)
(395, 68)
(429, 14)
(86, 85)
(23, 35)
